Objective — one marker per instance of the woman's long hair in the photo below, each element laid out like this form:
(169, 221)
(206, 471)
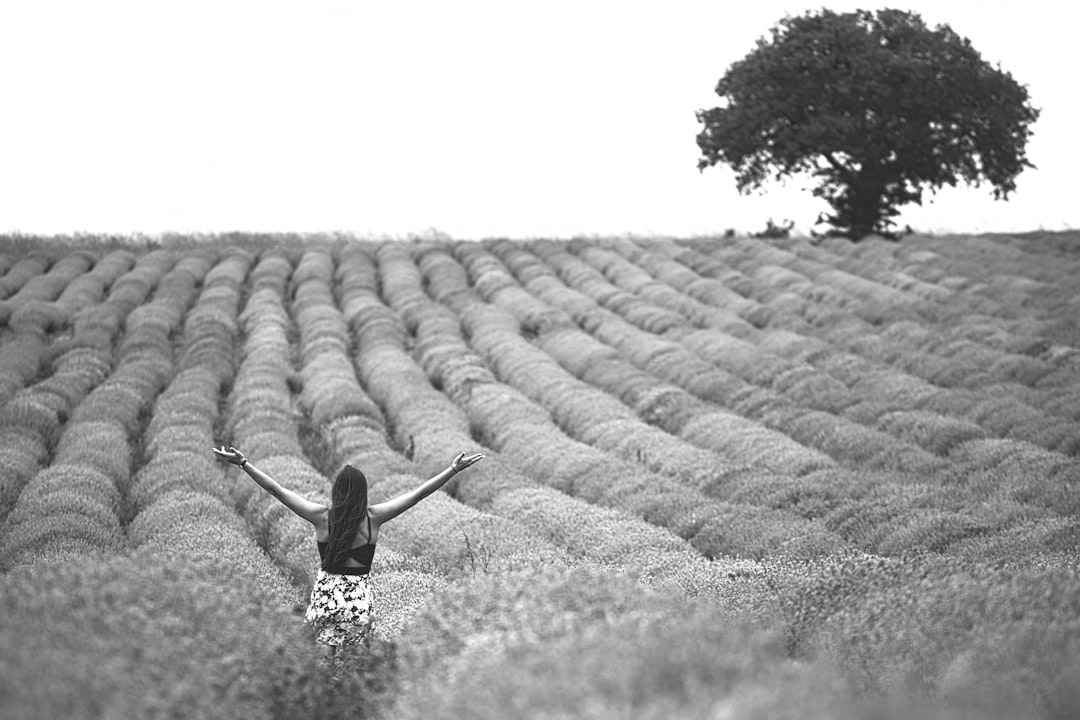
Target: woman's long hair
(348, 506)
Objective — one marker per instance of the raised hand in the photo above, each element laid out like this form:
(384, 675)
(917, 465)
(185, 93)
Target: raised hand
(231, 455)
(461, 461)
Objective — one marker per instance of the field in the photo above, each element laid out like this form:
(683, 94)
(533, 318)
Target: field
(725, 478)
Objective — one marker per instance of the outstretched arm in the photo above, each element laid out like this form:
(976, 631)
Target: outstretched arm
(390, 509)
(307, 509)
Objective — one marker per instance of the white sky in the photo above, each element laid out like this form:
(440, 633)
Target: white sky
(476, 118)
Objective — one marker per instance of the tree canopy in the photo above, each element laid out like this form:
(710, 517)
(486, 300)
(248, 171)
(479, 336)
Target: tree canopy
(877, 106)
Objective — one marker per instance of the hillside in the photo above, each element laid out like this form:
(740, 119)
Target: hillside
(724, 477)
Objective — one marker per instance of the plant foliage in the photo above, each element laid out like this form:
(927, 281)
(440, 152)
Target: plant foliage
(877, 106)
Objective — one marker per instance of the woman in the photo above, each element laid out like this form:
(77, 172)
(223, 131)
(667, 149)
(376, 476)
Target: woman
(345, 533)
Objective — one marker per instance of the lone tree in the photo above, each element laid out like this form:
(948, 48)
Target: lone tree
(877, 105)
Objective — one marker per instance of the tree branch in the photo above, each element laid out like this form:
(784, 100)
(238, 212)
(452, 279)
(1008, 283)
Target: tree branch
(840, 167)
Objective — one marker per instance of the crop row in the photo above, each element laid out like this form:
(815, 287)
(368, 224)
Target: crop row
(1027, 325)
(1034, 331)
(964, 448)
(693, 381)
(21, 271)
(265, 422)
(197, 600)
(622, 320)
(47, 286)
(942, 435)
(821, 294)
(432, 426)
(951, 413)
(79, 502)
(984, 275)
(31, 422)
(556, 316)
(29, 314)
(525, 432)
(933, 349)
(898, 267)
(421, 549)
(513, 524)
(961, 515)
(180, 499)
(955, 355)
(784, 340)
(355, 420)
(583, 411)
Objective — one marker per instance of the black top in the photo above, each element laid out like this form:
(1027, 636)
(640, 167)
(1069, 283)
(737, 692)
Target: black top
(363, 554)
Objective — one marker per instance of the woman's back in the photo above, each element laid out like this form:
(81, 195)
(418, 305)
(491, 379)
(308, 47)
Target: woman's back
(361, 552)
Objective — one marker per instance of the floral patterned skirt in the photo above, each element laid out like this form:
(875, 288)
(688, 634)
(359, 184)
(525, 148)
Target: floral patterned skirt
(341, 608)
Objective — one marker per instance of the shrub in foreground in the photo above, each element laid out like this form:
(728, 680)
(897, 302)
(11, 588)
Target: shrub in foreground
(583, 643)
(149, 637)
(998, 640)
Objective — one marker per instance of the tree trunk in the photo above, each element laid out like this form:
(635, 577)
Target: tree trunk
(861, 208)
